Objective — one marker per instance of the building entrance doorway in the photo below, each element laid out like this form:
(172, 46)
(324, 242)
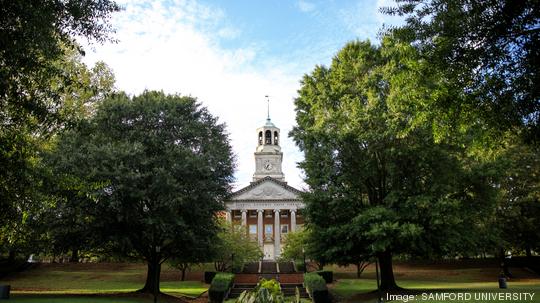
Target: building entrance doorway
(268, 251)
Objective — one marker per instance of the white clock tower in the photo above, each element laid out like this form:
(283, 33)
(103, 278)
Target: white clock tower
(268, 156)
(267, 208)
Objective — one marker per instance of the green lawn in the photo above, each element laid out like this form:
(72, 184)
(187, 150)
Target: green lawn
(85, 279)
(45, 299)
(107, 283)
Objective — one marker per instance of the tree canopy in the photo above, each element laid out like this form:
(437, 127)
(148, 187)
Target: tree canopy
(518, 211)
(164, 166)
(234, 248)
(488, 52)
(40, 85)
(379, 179)
(26, 183)
(34, 35)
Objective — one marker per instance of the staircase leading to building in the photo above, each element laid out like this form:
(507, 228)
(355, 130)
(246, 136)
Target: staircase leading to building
(239, 288)
(283, 272)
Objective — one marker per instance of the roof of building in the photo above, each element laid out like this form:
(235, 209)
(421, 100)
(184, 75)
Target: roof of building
(262, 180)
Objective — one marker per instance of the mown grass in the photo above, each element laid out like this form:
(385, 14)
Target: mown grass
(183, 288)
(45, 299)
(86, 279)
(105, 283)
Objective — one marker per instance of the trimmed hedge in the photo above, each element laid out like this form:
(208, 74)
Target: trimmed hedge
(327, 275)
(316, 287)
(209, 276)
(220, 286)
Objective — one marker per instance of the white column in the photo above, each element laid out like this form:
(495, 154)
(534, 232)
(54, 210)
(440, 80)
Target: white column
(228, 215)
(293, 220)
(244, 217)
(277, 234)
(260, 235)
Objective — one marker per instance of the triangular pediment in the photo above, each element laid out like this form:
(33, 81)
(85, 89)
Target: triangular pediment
(267, 189)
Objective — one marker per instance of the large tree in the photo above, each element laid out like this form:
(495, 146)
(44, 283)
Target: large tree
(164, 165)
(377, 176)
(489, 54)
(26, 183)
(518, 212)
(36, 37)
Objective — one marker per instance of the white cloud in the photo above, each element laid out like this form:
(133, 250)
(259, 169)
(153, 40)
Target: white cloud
(305, 6)
(175, 48)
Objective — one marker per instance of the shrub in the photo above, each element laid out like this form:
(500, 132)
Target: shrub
(272, 285)
(327, 275)
(267, 291)
(219, 287)
(316, 287)
(314, 281)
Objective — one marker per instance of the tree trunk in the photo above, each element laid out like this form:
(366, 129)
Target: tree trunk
(358, 272)
(74, 256)
(387, 271)
(11, 256)
(152, 277)
(504, 264)
(528, 251)
(183, 273)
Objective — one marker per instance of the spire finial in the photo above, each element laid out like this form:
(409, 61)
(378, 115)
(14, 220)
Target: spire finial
(268, 104)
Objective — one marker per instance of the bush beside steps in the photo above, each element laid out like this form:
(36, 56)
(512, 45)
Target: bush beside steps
(316, 288)
(220, 287)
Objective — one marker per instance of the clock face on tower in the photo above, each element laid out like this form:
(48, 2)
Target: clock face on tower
(268, 165)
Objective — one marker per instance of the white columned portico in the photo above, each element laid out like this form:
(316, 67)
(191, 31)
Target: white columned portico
(260, 214)
(277, 231)
(293, 220)
(244, 217)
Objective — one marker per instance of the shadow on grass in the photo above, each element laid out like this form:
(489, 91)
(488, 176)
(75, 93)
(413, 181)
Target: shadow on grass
(124, 297)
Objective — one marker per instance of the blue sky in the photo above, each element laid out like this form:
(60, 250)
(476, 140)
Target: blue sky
(230, 54)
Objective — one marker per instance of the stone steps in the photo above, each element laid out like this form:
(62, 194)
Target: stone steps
(239, 288)
(289, 290)
(269, 267)
(284, 271)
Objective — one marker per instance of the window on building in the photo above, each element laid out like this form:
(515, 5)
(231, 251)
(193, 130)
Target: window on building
(253, 232)
(268, 214)
(268, 232)
(284, 213)
(260, 138)
(268, 229)
(268, 137)
(284, 228)
(276, 142)
(253, 214)
(237, 213)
